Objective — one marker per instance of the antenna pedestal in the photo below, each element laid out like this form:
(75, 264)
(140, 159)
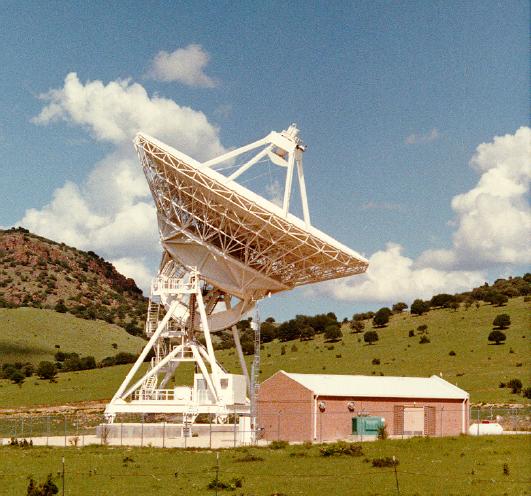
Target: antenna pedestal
(179, 314)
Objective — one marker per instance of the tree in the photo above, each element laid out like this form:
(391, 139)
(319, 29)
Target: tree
(357, 326)
(370, 337)
(268, 332)
(498, 299)
(61, 307)
(502, 321)
(47, 370)
(399, 307)
(442, 300)
(454, 305)
(515, 385)
(418, 307)
(17, 377)
(333, 333)
(307, 333)
(497, 336)
(381, 318)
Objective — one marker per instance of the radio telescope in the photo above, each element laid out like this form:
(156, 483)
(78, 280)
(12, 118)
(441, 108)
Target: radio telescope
(224, 248)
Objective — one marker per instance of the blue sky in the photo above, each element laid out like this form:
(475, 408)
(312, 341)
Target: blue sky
(393, 99)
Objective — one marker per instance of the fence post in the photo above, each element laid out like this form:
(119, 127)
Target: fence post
(478, 423)
(210, 431)
(142, 433)
(64, 416)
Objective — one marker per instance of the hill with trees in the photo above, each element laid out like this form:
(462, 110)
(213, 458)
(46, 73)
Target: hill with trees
(39, 273)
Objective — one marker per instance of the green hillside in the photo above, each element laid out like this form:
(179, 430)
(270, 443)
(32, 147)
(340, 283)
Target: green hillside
(31, 335)
(477, 366)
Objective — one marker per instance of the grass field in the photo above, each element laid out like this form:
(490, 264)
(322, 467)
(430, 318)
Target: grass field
(478, 366)
(30, 335)
(427, 466)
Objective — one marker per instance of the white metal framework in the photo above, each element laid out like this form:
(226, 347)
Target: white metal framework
(224, 248)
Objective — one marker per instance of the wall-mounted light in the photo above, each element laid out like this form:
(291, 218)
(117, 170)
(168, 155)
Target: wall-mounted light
(322, 406)
(350, 406)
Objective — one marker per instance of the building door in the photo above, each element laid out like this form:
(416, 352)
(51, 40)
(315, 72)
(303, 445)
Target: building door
(413, 421)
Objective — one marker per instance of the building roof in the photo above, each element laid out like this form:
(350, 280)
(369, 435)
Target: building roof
(378, 386)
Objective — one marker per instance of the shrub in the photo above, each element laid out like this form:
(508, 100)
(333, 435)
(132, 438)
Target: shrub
(424, 340)
(411, 333)
(422, 328)
(333, 333)
(341, 448)
(250, 457)
(502, 321)
(276, 445)
(375, 361)
(357, 326)
(46, 488)
(231, 485)
(282, 350)
(515, 385)
(370, 337)
(382, 432)
(526, 393)
(47, 371)
(17, 377)
(385, 462)
(61, 307)
(294, 348)
(418, 307)
(497, 337)
(452, 353)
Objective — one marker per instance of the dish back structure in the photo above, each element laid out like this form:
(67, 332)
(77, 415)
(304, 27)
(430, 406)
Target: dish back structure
(224, 249)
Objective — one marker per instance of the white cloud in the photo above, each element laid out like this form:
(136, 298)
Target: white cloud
(112, 212)
(493, 219)
(185, 65)
(417, 138)
(275, 192)
(392, 276)
(134, 268)
(115, 112)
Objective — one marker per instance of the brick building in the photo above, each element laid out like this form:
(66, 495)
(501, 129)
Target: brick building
(320, 407)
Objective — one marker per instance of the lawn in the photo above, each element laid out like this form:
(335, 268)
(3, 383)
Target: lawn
(427, 466)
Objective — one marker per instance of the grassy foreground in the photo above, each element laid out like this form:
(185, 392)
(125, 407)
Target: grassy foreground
(427, 466)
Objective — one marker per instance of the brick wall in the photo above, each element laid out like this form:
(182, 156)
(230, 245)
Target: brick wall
(285, 409)
(289, 411)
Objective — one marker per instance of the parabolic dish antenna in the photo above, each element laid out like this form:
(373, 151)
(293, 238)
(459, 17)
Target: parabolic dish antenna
(224, 248)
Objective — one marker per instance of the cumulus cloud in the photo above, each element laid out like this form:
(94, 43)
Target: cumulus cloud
(111, 212)
(116, 111)
(392, 276)
(185, 65)
(493, 219)
(417, 138)
(492, 228)
(135, 268)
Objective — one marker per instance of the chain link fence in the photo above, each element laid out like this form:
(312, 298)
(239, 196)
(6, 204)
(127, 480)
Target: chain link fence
(234, 430)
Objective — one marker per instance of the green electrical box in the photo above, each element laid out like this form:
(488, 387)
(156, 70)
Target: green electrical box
(366, 426)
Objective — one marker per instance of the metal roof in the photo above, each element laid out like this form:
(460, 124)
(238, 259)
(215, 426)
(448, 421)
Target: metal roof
(370, 386)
